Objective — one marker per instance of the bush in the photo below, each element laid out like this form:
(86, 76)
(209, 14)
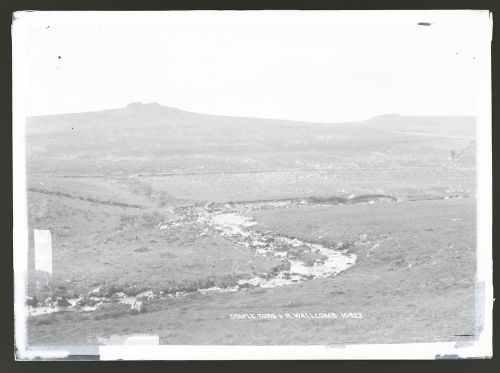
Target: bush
(226, 282)
(190, 286)
(113, 289)
(32, 302)
(285, 266)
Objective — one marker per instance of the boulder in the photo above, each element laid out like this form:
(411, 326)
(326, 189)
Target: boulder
(63, 302)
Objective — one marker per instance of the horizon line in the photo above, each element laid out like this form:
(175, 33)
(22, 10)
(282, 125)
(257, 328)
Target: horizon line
(139, 103)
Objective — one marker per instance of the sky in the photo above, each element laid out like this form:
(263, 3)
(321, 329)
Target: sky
(315, 66)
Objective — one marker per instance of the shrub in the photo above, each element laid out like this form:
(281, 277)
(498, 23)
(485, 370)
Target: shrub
(33, 302)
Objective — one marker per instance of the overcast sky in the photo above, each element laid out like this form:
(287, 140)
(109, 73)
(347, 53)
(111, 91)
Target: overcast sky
(317, 66)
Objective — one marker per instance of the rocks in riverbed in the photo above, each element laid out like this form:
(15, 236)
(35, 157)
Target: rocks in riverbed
(63, 302)
(300, 249)
(133, 290)
(285, 266)
(286, 276)
(138, 307)
(113, 289)
(309, 262)
(87, 301)
(343, 246)
(146, 295)
(281, 247)
(267, 239)
(326, 243)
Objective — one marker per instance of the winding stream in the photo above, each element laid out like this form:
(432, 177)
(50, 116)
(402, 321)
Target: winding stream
(301, 260)
(321, 261)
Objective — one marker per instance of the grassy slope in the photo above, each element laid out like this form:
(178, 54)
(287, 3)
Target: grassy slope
(94, 244)
(115, 142)
(433, 299)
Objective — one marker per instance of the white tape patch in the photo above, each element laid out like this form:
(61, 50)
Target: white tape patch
(43, 250)
(134, 339)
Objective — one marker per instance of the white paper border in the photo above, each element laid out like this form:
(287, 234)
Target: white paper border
(480, 348)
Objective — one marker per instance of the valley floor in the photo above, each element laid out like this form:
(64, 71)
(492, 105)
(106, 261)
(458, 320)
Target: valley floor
(412, 281)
